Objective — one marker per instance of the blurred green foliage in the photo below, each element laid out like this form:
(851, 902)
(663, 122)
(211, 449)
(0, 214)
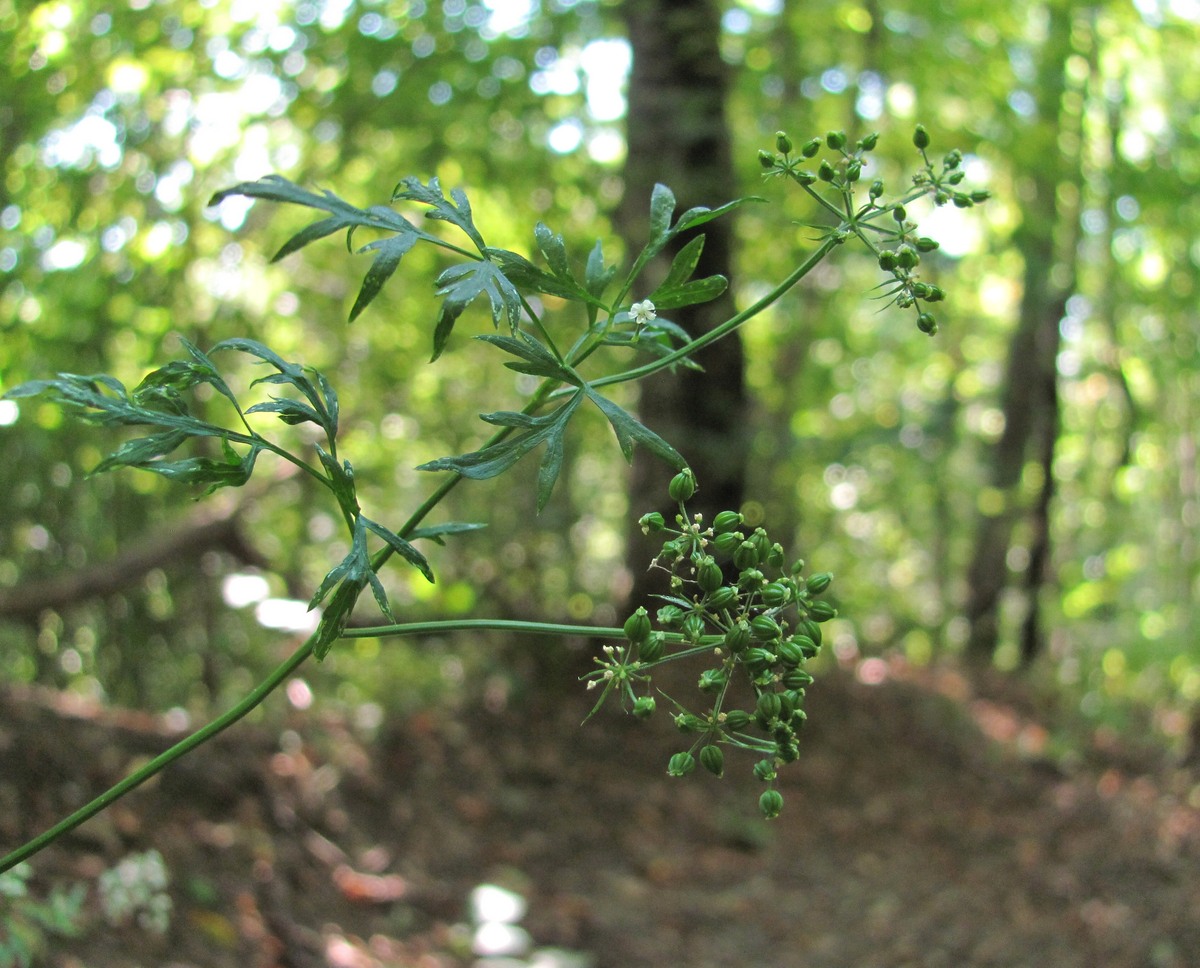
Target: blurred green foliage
(118, 122)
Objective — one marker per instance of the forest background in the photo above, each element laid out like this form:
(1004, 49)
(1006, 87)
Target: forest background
(1022, 489)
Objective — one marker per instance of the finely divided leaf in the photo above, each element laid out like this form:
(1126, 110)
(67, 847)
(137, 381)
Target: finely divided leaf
(389, 252)
(492, 461)
(689, 293)
(457, 212)
(700, 214)
(676, 290)
(142, 450)
(526, 276)
(343, 215)
(232, 470)
(401, 547)
(539, 361)
(352, 575)
(630, 431)
(597, 276)
(662, 206)
(436, 532)
(322, 407)
(554, 249)
(460, 284)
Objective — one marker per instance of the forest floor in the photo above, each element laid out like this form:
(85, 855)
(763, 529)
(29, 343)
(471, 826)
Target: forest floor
(924, 825)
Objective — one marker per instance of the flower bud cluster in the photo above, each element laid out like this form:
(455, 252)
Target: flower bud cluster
(897, 246)
(738, 604)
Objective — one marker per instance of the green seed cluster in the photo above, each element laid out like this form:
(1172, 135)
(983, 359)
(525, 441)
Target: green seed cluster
(894, 241)
(738, 605)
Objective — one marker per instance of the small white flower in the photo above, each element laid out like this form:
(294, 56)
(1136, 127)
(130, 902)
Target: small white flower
(643, 312)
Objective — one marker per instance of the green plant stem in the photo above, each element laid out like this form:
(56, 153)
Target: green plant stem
(480, 624)
(725, 328)
(164, 759)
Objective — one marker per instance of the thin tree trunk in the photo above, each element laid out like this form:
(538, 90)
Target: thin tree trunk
(678, 135)
(1046, 241)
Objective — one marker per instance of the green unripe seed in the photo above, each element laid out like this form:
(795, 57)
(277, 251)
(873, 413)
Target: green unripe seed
(764, 628)
(768, 706)
(689, 723)
(770, 803)
(727, 543)
(709, 576)
(693, 628)
(876, 189)
(797, 678)
(775, 556)
(926, 323)
(765, 770)
(726, 521)
(722, 598)
(899, 213)
(766, 159)
(806, 644)
(962, 200)
(762, 543)
(651, 522)
(736, 719)
(758, 660)
(713, 760)
(955, 177)
(821, 611)
(836, 139)
(637, 626)
(750, 579)
(926, 244)
(888, 260)
(746, 555)
(787, 706)
(936, 294)
(906, 257)
(783, 143)
(681, 764)
(805, 177)
(921, 137)
(826, 172)
(653, 648)
(819, 582)
(671, 551)
(643, 707)
(683, 485)
(870, 141)
(713, 680)
(853, 171)
(790, 653)
(670, 615)
(812, 630)
(811, 147)
(980, 195)
(776, 594)
(737, 638)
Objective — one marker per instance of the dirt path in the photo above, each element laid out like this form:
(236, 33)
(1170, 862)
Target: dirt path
(908, 838)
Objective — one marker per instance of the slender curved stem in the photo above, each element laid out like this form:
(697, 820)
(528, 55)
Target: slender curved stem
(480, 624)
(164, 759)
(727, 327)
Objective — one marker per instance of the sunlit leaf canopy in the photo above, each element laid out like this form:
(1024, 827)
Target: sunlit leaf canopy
(118, 122)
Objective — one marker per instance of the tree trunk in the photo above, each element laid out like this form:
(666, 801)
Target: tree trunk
(1047, 242)
(678, 135)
